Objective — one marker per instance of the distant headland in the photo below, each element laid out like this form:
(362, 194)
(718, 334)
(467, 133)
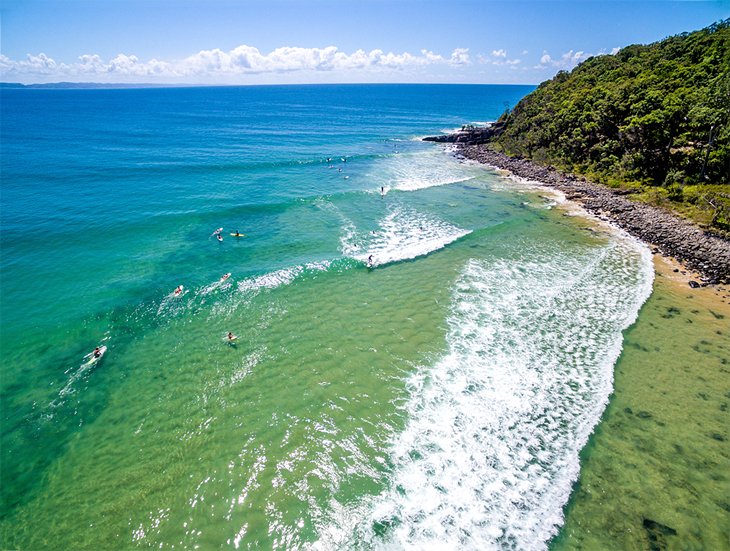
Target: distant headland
(91, 85)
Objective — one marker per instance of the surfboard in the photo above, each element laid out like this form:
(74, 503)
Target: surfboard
(225, 277)
(93, 360)
(238, 235)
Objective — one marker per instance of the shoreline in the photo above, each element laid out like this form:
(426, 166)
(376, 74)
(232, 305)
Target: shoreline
(665, 424)
(704, 254)
(652, 429)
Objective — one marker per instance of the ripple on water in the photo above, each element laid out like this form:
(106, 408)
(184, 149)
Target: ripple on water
(490, 453)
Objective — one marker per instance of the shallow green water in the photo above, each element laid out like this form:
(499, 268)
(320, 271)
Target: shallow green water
(656, 475)
(439, 397)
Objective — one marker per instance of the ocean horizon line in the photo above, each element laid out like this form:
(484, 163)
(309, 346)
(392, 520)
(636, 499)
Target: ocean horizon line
(135, 85)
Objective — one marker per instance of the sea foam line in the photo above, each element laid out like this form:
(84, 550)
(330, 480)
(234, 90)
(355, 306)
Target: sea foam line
(280, 277)
(490, 453)
(413, 172)
(403, 234)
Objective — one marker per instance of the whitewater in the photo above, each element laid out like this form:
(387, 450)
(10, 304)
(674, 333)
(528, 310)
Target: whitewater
(423, 347)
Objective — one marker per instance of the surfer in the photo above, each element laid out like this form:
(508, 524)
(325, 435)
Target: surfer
(178, 290)
(382, 191)
(97, 352)
(231, 338)
(216, 232)
(370, 261)
(219, 237)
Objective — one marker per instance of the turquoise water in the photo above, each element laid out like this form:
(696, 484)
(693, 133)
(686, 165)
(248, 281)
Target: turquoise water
(439, 396)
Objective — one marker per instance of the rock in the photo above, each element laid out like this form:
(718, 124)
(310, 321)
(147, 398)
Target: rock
(699, 250)
(470, 135)
(694, 284)
(657, 534)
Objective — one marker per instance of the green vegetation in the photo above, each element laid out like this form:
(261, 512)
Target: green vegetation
(653, 119)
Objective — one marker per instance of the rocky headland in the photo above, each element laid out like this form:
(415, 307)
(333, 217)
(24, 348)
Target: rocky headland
(667, 234)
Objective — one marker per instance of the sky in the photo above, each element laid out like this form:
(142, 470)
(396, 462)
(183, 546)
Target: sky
(326, 41)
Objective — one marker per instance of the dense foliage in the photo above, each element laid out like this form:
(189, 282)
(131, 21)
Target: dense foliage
(652, 118)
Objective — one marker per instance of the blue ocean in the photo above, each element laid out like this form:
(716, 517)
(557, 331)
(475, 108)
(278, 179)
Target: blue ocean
(421, 346)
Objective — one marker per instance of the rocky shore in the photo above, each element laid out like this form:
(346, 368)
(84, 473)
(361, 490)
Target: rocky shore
(700, 251)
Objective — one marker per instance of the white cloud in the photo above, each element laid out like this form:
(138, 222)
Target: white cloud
(570, 59)
(242, 60)
(432, 57)
(498, 58)
(91, 64)
(567, 61)
(460, 56)
(39, 64)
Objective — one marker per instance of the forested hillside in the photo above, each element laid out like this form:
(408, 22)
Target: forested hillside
(654, 119)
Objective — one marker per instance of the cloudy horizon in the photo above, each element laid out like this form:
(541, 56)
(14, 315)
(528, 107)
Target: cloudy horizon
(322, 41)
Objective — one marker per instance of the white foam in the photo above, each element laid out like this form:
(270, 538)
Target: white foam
(281, 277)
(490, 453)
(403, 234)
(221, 284)
(87, 365)
(475, 124)
(421, 170)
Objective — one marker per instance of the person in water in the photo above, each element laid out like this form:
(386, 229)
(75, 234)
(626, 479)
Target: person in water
(231, 337)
